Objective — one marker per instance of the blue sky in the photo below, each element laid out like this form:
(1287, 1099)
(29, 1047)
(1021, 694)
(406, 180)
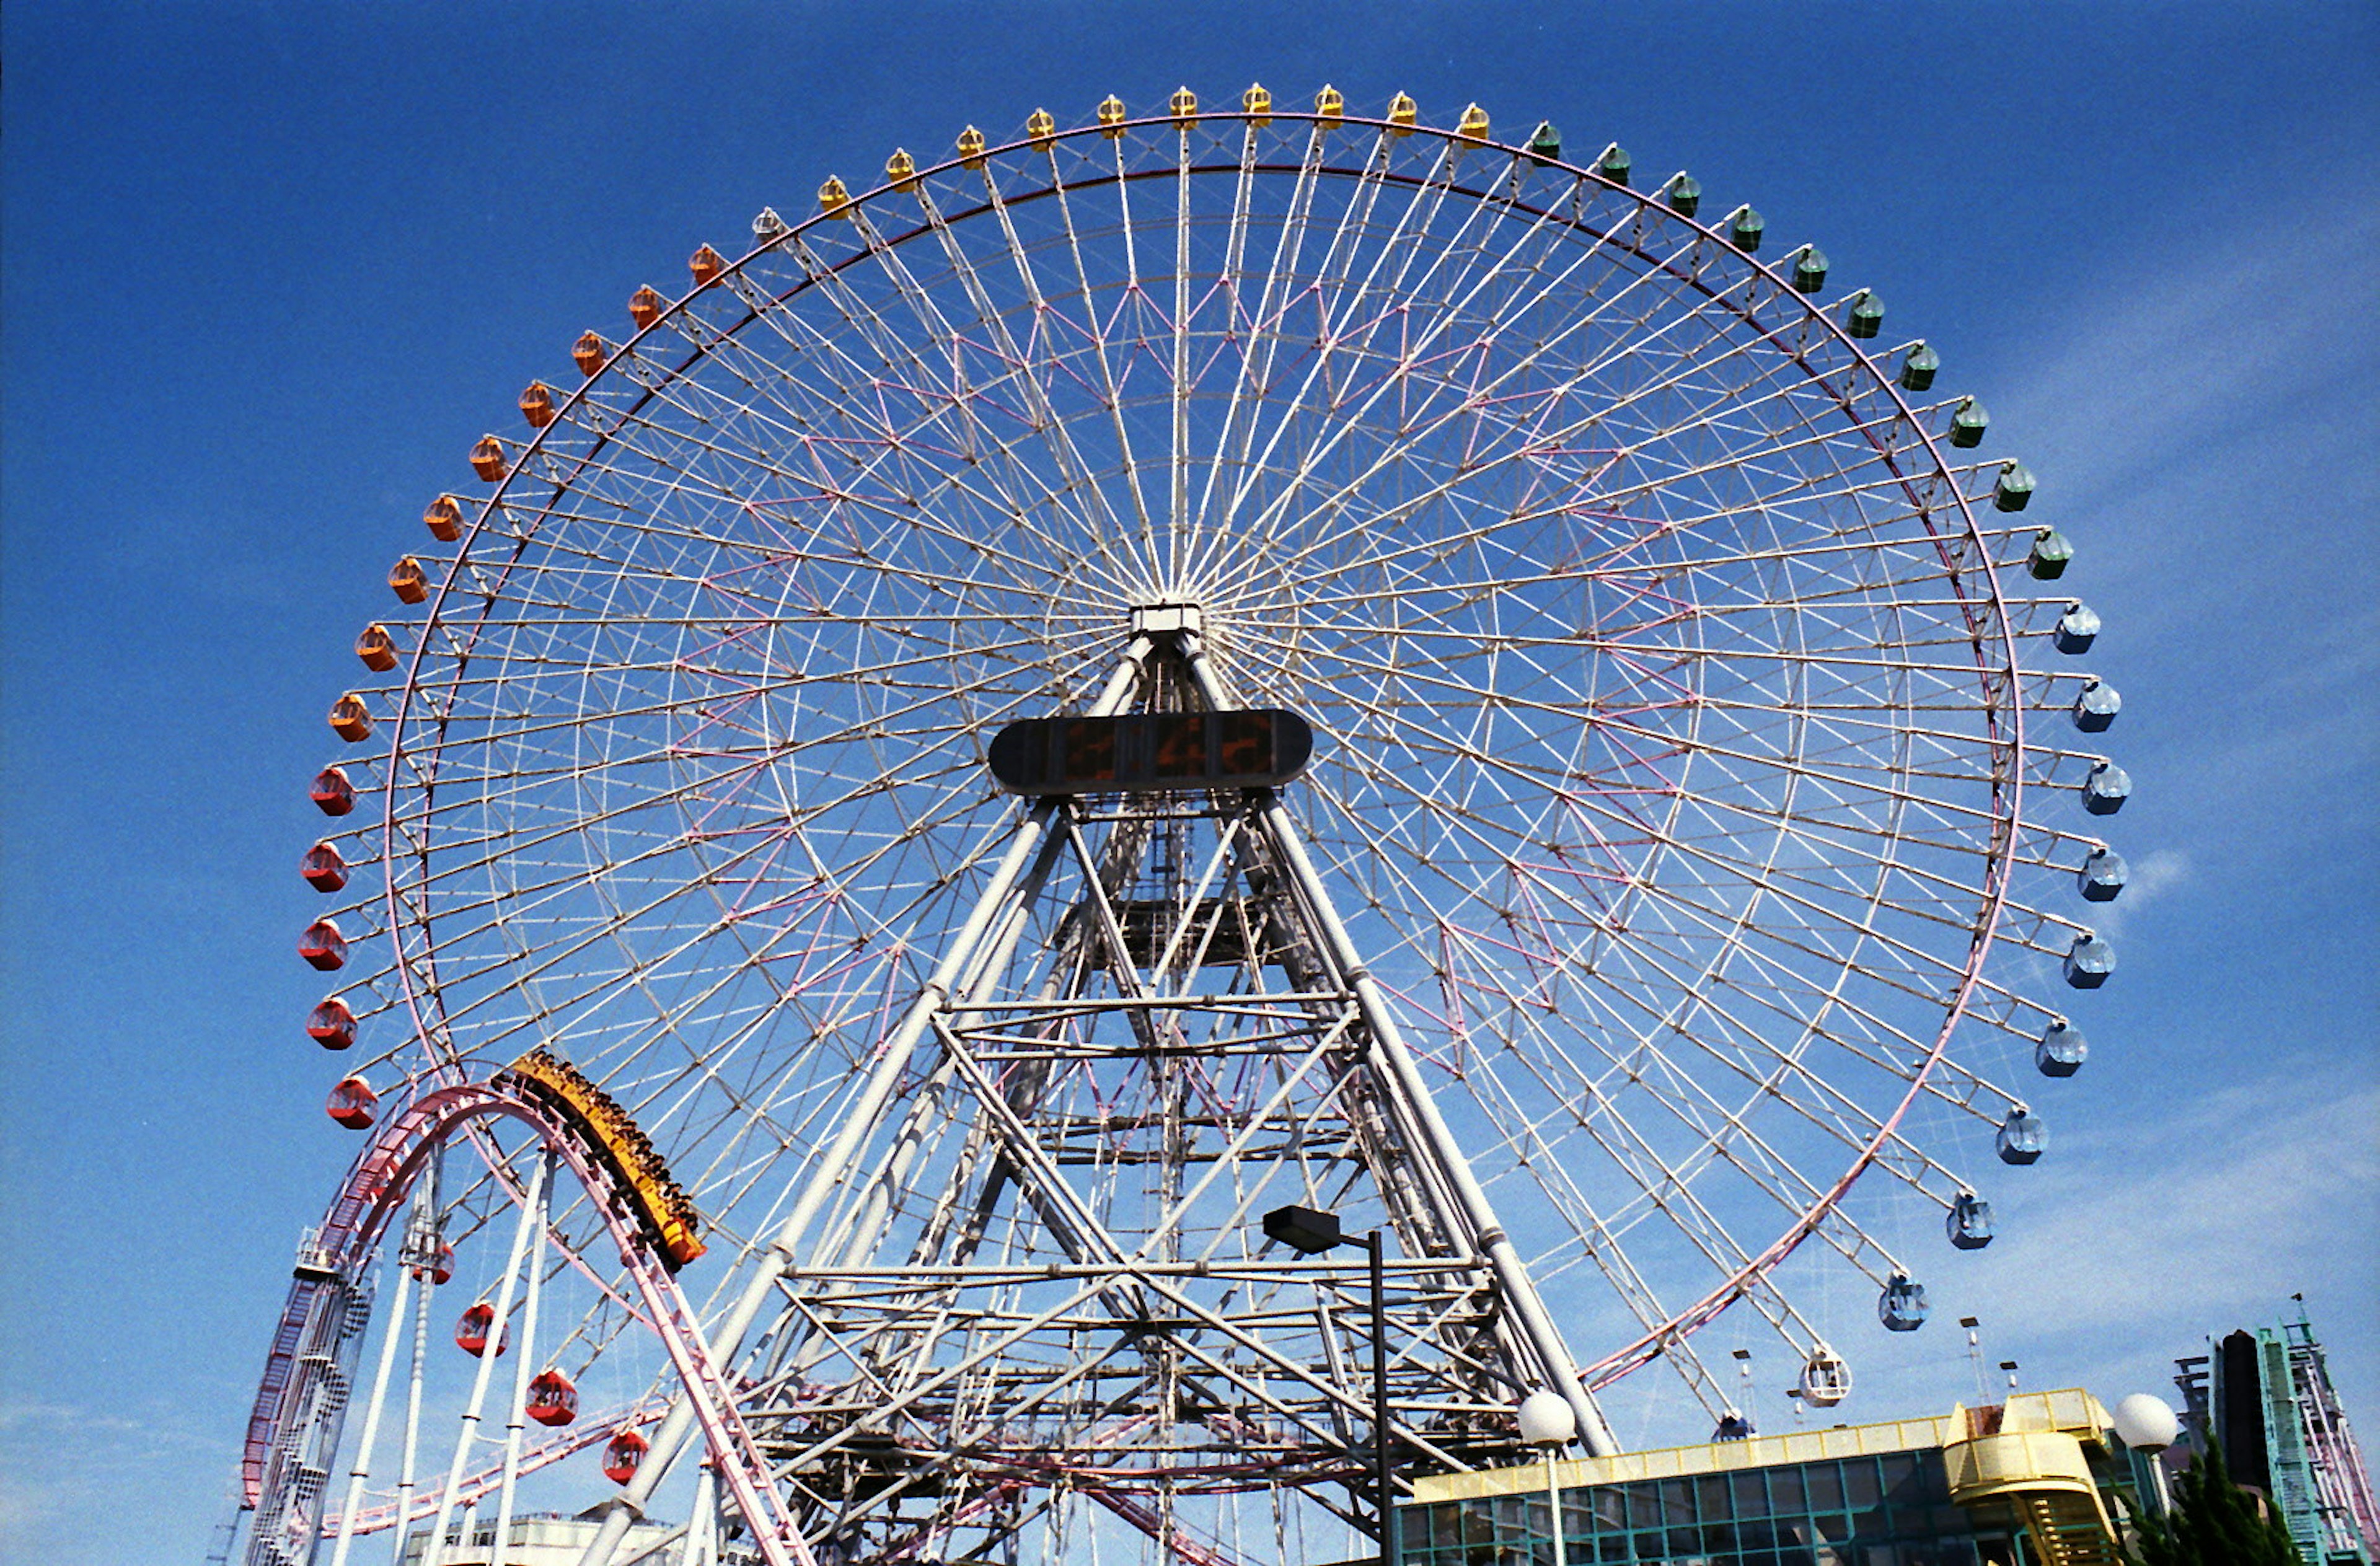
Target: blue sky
(270, 270)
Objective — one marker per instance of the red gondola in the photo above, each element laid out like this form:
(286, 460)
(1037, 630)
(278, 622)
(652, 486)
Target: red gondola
(624, 1456)
(332, 1025)
(471, 1331)
(323, 946)
(441, 1267)
(551, 1399)
(322, 867)
(351, 1103)
(331, 792)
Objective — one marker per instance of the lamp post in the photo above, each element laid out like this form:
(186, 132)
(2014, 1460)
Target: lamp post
(1310, 1232)
(2147, 1424)
(1548, 1423)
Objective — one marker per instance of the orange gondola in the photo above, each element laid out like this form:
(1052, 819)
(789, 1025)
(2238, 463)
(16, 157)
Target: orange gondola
(350, 719)
(377, 648)
(444, 518)
(488, 459)
(537, 405)
(332, 1025)
(588, 353)
(322, 867)
(351, 1103)
(707, 264)
(408, 581)
(644, 307)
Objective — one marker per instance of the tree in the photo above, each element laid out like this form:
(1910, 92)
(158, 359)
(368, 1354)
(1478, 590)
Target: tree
(2214, 1522)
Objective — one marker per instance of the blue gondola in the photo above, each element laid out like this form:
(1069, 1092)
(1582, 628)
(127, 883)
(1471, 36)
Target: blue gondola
(1968, 1222)
(2089, 962)
(2101, 877)
(1901, 1307)
(2077, 630)
(2061, 1052)
(2022, 1137)
(2105, 791)
(2096, 707)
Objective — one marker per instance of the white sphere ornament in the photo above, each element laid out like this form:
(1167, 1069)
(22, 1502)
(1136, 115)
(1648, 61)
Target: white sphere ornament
(2146, 1423)
(1546, 1420)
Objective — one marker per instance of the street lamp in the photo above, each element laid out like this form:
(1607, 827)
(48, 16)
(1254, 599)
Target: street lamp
(1310, 1232)
(2147, 1424)
(1548, 1423)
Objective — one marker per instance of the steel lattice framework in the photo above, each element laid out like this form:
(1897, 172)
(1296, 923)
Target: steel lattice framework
(1690, 835)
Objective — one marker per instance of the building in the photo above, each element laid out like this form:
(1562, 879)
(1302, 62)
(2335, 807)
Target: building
(2266, 1396)
(2040, 1480)
(544, 1538)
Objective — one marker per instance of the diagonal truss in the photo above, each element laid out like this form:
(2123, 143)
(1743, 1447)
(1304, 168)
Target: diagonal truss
(1037, 1269)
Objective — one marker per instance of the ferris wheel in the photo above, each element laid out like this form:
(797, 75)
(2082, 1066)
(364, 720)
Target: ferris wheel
(1543, 743)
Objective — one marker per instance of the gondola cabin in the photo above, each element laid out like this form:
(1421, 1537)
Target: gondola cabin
(323, 946)
(444, 519)
(2061, 1052)
(322, 867)
(350, 719)
(1901, 1307)
(2021, 1137)
(351, 1103)
(1968, 1222)
(551, 1399)
(537, 405)
(408, 581)
(488, 459)
(644, 307)
(1825, 1380)
(331, 792)
(332, 1025)
(589, 354)
(377, 648)
(2089, 962)
(707, 265)
(471, 1331)
(623, 1455)
(441, 1265)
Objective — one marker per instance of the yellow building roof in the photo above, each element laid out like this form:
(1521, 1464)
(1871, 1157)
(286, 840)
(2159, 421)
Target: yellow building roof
(2071, 1411)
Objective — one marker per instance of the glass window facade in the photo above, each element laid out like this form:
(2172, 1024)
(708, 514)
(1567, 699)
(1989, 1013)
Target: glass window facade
(1889, 1509)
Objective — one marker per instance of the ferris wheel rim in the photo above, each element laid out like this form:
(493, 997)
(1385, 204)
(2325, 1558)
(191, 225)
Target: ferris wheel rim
(426, 1003)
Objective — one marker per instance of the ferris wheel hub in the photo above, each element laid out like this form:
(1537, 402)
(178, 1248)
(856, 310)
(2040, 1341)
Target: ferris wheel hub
(1167, 619)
